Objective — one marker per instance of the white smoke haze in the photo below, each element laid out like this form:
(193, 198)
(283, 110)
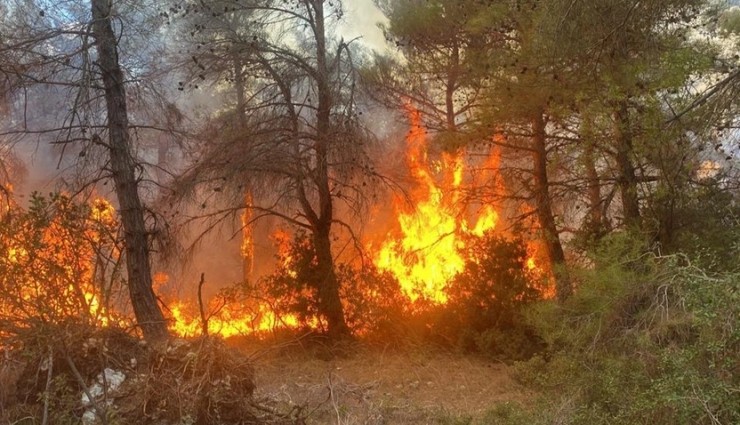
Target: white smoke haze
(361, 20)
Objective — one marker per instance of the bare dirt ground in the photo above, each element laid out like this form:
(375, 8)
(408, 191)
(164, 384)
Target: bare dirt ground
(377, 386)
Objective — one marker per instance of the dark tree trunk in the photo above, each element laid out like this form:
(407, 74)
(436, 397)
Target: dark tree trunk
(330, 302)
(328, 289)
(626, 179)
(143, 300)
(450, 90)
(595, 225)
(545, 215)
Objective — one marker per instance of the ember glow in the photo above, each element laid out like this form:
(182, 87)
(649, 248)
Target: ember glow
(426, 253)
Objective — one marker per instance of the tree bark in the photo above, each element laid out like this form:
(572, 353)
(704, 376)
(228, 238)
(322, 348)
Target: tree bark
(595, 225)
(147, 311)
(328, 286)
(626, 179)
(545, 214)
(451, 88)
(330, 302)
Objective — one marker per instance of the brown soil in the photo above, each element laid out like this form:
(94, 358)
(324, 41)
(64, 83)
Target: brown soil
(375, 386)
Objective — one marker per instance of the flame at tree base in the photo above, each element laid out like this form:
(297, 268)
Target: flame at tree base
(228, 320)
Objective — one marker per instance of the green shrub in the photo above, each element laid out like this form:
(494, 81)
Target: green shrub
(485, 301)
(652, 340)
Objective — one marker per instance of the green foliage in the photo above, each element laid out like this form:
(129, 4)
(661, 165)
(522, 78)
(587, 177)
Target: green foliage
(729, 20)
(708, 223)
(483, 312)
(653, 340)
(507, 414)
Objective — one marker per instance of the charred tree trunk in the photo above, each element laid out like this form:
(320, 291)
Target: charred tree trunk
(328, 290)
(626, 179)
(545, 214)
(328, 285)
(143, 300)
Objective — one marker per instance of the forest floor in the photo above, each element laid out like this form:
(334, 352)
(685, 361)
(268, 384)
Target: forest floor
(371, 385)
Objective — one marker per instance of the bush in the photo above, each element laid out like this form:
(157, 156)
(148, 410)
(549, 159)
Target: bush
(372, 300)
(59, 263)
(656, 343)
(486, 300)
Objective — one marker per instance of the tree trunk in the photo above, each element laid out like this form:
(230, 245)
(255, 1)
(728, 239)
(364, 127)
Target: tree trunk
(329, 299)
(330, 302)
(247, 246)
(595, 219)
(626, 179)
(239, 84)
(450, 90)
(545, 215)
(143, 300)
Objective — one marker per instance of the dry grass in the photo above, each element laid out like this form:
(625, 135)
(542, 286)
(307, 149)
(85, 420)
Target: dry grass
(207, 382)
(376, 386)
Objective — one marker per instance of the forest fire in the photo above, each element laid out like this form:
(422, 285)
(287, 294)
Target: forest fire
(227, 320)
(424, 252)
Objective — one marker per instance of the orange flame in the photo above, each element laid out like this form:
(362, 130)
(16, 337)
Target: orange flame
(428, 253)
(58, 269)
(227, 319)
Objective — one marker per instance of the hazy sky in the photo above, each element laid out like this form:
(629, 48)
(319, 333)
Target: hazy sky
(361, 19)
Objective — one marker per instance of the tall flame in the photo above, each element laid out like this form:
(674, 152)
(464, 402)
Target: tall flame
(428, 252)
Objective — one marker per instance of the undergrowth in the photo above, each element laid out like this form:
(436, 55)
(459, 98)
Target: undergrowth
(649, 340)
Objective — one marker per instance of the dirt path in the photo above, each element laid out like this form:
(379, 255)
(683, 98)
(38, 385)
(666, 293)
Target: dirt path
(381, 387)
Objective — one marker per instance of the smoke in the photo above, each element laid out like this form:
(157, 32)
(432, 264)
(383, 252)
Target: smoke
(361, 20)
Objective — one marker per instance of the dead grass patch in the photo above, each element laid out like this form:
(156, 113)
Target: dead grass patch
(369, 385)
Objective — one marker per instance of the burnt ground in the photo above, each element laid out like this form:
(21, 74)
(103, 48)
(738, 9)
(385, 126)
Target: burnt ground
(377, 386)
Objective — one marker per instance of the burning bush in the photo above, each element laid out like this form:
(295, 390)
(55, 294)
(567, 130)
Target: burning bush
(482, 311)
(372, 299)
(59, 263)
